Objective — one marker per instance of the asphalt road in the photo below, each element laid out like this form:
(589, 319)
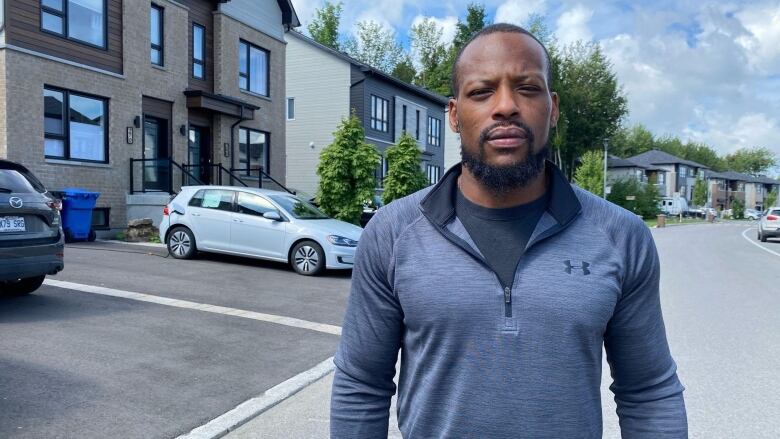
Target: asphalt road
(77, 364)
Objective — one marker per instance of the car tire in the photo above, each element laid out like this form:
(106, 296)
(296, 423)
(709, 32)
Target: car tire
(758, 235)
(23, 286)
(762, 238)
(181, 243)
(307, 258)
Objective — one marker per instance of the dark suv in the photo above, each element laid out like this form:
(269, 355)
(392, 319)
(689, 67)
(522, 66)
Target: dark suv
(31, 238)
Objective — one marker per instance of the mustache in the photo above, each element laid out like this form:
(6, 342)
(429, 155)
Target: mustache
(483, 136)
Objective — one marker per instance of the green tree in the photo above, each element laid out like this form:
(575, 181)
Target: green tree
(699, 193)
(633, 196)
(325, 27)
(737, 209)
(753, 161)
(628, 142)
(590, 174)
(771, 199)
(375, 45)
(404, 172)
(428, 50)
(404, 70)
(346, 171)
(591, 101)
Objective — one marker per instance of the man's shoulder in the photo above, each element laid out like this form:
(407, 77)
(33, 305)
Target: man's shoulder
(399, 214)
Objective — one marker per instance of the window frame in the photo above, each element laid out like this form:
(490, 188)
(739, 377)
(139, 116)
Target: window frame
(434, 173)
(65, 137)
(193, 60)
(63, 15)
(434, 139)
(248, 75)
(287, 108)
(107, 214)
(266, 153)
(403, 120)
(380, 118)
(159, 47)
(417, 125)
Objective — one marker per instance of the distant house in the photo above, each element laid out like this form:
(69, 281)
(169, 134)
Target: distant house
(324, 86)
(726, 187)
(673, 176)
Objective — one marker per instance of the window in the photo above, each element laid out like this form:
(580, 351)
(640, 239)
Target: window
(252, 151)
(198, 51)
(381, 171)
(417, 128)
(75, 126)
(434, 131)
(156, 34)
(80, 20)
(252, 68)
(433, 173)
(100, 218)
(722, 185)
(741, 186)
(380, 114)
(290, 108)
(404, 118)
(255, 205)
(683, 170)
(216, 199)
(661, 177)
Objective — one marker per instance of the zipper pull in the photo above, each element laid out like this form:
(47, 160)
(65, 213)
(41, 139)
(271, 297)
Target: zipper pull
(507, 295)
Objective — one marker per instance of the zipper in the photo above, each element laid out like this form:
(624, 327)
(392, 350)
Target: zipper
(507, 302)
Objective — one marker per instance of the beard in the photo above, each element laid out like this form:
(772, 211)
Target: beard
(503, 179)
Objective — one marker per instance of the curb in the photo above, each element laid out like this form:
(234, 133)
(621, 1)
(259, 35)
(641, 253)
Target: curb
(142, 244)
(247, 410)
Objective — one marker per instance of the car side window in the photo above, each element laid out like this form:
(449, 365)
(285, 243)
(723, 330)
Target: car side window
(213, 199)
(775, 212)
(250, 204)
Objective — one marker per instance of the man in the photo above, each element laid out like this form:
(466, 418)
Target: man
(502, 282)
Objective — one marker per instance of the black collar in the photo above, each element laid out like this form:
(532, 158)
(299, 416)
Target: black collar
(439, 205)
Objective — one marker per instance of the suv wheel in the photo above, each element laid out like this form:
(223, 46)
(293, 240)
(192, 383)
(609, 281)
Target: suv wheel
(181, 243)
(23, 286)
(307, 258)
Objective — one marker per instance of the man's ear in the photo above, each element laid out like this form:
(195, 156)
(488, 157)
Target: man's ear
(452, 107)
(555, 113)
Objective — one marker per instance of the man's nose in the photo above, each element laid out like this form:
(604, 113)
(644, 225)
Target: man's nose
(506, 104)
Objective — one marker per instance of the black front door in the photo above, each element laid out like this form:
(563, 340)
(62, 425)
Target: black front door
(155, 153)
(199, 153)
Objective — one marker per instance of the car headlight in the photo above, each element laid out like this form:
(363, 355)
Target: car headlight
(342, 241)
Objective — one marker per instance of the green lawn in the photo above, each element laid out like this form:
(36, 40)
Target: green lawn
(675, 221)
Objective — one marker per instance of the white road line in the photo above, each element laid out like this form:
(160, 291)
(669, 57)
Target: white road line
(757, 244)
(233, 312)
(251, 408)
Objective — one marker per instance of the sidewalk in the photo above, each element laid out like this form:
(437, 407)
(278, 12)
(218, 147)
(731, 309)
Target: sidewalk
(304, 415)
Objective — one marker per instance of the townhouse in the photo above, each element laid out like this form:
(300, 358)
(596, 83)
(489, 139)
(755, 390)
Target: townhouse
(324, 86)
(134, 98)
(674, 177)
(726, 187)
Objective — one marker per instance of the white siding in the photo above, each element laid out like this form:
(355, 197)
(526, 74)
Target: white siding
(451, 144)
(263, 15)
(319, 82)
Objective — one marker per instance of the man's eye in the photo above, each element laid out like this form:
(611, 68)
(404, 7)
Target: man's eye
(480, 92)
(528, 88)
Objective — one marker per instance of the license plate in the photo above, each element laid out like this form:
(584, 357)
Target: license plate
(12, 224)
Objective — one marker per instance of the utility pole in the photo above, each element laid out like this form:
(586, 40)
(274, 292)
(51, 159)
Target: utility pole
(606, 146)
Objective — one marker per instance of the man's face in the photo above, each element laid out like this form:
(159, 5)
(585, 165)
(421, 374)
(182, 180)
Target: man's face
(504, 108)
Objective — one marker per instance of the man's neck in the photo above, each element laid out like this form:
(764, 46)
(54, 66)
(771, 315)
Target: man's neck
(478, 194)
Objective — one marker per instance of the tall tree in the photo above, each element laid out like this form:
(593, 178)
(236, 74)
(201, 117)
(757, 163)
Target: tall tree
(753, 161)
(375, 45)
(346, 171)
(590, 174)
(591, 101)
(404, 172)
(405, 70)
(428, 49)
(628, 142)
(325, 27)
(699, 193)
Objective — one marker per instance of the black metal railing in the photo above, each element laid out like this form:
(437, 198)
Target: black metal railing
(260, 175)
(158, 175)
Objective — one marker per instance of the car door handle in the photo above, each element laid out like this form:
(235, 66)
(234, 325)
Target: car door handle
(236, 220)
(195, 214)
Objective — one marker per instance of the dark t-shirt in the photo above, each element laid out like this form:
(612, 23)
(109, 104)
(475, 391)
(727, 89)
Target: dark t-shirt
(501, 234)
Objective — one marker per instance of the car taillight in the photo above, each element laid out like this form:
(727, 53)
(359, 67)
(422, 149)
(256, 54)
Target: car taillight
(771, 218)
(54, 204)
(165, 211)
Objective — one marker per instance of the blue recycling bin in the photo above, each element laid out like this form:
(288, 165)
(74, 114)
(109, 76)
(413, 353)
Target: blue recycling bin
(77, 205)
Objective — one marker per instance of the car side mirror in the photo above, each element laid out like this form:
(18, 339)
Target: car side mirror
(272, 215)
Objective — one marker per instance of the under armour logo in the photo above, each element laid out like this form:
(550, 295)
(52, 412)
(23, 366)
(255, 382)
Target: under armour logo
(583, 267)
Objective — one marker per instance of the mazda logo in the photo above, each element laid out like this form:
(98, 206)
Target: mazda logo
(16, 202)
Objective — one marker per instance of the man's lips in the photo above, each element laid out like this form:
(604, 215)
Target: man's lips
(507, 137)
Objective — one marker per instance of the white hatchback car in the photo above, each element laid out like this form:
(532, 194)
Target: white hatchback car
(257, 223)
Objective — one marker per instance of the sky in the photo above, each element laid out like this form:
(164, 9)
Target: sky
(705, 71)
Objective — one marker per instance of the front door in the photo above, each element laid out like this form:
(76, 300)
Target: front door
(199, 154)
(155, 154)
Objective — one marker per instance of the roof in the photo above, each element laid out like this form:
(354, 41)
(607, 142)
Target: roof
(658, 157)
(289, 17)
(617, 162)
(738, 176)
(371, 71)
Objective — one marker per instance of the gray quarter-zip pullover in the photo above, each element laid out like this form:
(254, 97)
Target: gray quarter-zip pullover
(481, 361)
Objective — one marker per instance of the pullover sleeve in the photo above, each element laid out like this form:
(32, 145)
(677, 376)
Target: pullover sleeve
(648, 394)
(370, 339)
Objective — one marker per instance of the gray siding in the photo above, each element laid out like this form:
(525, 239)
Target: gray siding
(356, 92)
(263, 15)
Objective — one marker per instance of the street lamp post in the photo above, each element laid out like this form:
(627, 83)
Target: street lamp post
(606, 146)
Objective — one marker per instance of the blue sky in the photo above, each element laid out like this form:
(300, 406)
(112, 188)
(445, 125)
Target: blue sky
(707, 71)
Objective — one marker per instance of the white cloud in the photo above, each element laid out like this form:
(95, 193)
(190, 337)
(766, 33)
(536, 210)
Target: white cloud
(517, 11)
(572, 25)
(763, 43)
(447, 24)
(750, 130)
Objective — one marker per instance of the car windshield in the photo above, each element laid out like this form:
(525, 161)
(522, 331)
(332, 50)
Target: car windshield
(298, 208)
(12, 180)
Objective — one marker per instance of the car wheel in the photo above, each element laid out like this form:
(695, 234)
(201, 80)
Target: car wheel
(181, 243)
(23, 286)
(307, 258)
(762, 238)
